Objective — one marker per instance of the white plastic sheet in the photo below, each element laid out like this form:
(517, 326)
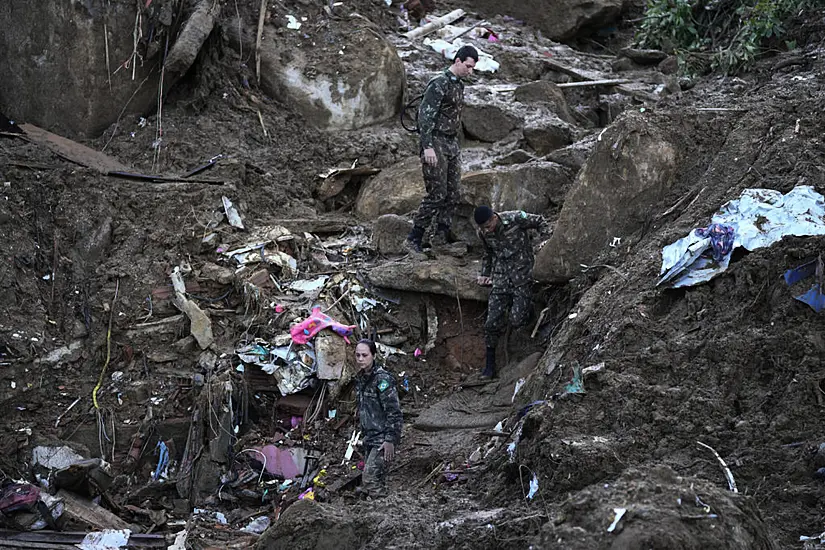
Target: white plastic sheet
(760, 217)
(486, 63)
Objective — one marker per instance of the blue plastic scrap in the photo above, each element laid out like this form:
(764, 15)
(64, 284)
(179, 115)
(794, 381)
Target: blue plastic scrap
(163, 461)
(813, 297)
(576, 385)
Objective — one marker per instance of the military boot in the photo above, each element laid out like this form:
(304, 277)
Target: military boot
(490, 368)
(413, 243)
(445, 243)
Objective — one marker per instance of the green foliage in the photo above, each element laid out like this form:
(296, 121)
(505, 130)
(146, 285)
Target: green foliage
(726, 35)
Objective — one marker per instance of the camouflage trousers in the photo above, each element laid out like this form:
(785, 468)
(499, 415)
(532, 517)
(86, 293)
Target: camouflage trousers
(441, 182)
(374, 478)
(518, 300)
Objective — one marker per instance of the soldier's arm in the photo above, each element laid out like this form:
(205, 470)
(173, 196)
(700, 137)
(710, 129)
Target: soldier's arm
(488, 259)
(428, 111)
(392, 409)
(533, 221)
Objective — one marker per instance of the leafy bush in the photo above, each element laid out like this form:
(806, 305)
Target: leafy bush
(726, 35)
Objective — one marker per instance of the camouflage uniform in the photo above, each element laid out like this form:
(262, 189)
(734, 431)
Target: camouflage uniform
(508, 260)
(439, 120)
(381, 420)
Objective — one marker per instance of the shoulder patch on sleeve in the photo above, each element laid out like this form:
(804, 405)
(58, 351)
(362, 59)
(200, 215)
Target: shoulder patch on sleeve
(383, 385)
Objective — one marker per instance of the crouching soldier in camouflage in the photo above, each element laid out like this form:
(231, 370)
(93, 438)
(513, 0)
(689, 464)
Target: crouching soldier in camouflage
(508, 267)
(381, 419)
(439, 121)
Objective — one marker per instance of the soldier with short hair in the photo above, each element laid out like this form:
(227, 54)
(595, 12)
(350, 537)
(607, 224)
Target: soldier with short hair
(508, 267)
(380, 416)
(439, 121)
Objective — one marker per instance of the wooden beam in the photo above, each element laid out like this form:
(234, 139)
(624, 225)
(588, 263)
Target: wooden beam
(587, 83)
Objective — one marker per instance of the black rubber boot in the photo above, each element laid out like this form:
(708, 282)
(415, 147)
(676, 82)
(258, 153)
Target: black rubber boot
(490, 368)
(413, 242)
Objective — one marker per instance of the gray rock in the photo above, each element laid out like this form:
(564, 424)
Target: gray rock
(396, 190)
(519, 156)
(446, 276)
(620, 186)
(544, 92)
(389, 233)
(547, 134)
(487, 123)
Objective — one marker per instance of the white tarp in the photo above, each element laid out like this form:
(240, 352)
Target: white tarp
(760, 217)
(486, 63)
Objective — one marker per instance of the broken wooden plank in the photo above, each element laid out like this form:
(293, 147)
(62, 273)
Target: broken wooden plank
(122, 174)
(87, 512)
(588, 83)
(73, 151)
(433, 26)
(345, 483)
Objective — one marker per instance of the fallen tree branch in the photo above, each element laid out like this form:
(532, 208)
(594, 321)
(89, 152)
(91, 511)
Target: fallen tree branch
(192, 36)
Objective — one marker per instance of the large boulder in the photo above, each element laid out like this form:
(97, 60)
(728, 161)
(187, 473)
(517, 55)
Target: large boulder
(486, 122)
(617, 191)
(544, 92)
(445, 275)
(53, 58)
(350, 78)
(559, 20)
(574, 156)
(545, 134)
(389, 233)
(396, 190)
(534, 187)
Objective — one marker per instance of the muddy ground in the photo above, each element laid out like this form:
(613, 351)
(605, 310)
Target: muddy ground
(734, 363)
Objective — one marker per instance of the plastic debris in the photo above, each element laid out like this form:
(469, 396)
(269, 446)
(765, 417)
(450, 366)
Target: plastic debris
(257, 525)
(309, 285)
(180, 540)
(108, 539)
(417, 352)
(292, 23)
(813, 297)
(315, 323)
(308, 494)
(162, 470)
(534, 487)
(620, 512)
(218, 517)
(519, 384)
(759, 218)
(232, 213)
(353, 441)
(486, 63)
(55, 458)
(576, 385)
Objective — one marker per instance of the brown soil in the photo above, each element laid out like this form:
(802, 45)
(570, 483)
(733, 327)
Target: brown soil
(735, 363)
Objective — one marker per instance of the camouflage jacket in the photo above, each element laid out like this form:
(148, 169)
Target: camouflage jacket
(440, 109)
(378, 407)
(508, 250)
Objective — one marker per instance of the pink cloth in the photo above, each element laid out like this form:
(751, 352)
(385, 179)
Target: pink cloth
(304, 331)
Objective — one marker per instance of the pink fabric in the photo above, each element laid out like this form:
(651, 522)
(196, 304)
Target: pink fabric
(304, 331)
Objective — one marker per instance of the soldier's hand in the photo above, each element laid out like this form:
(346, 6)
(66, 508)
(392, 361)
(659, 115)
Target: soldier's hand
(484, 281)
(389, 451)
(429, 157)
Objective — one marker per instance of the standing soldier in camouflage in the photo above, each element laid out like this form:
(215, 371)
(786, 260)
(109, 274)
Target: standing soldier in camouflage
(381, 418)
(439, 120)
(508, 267)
